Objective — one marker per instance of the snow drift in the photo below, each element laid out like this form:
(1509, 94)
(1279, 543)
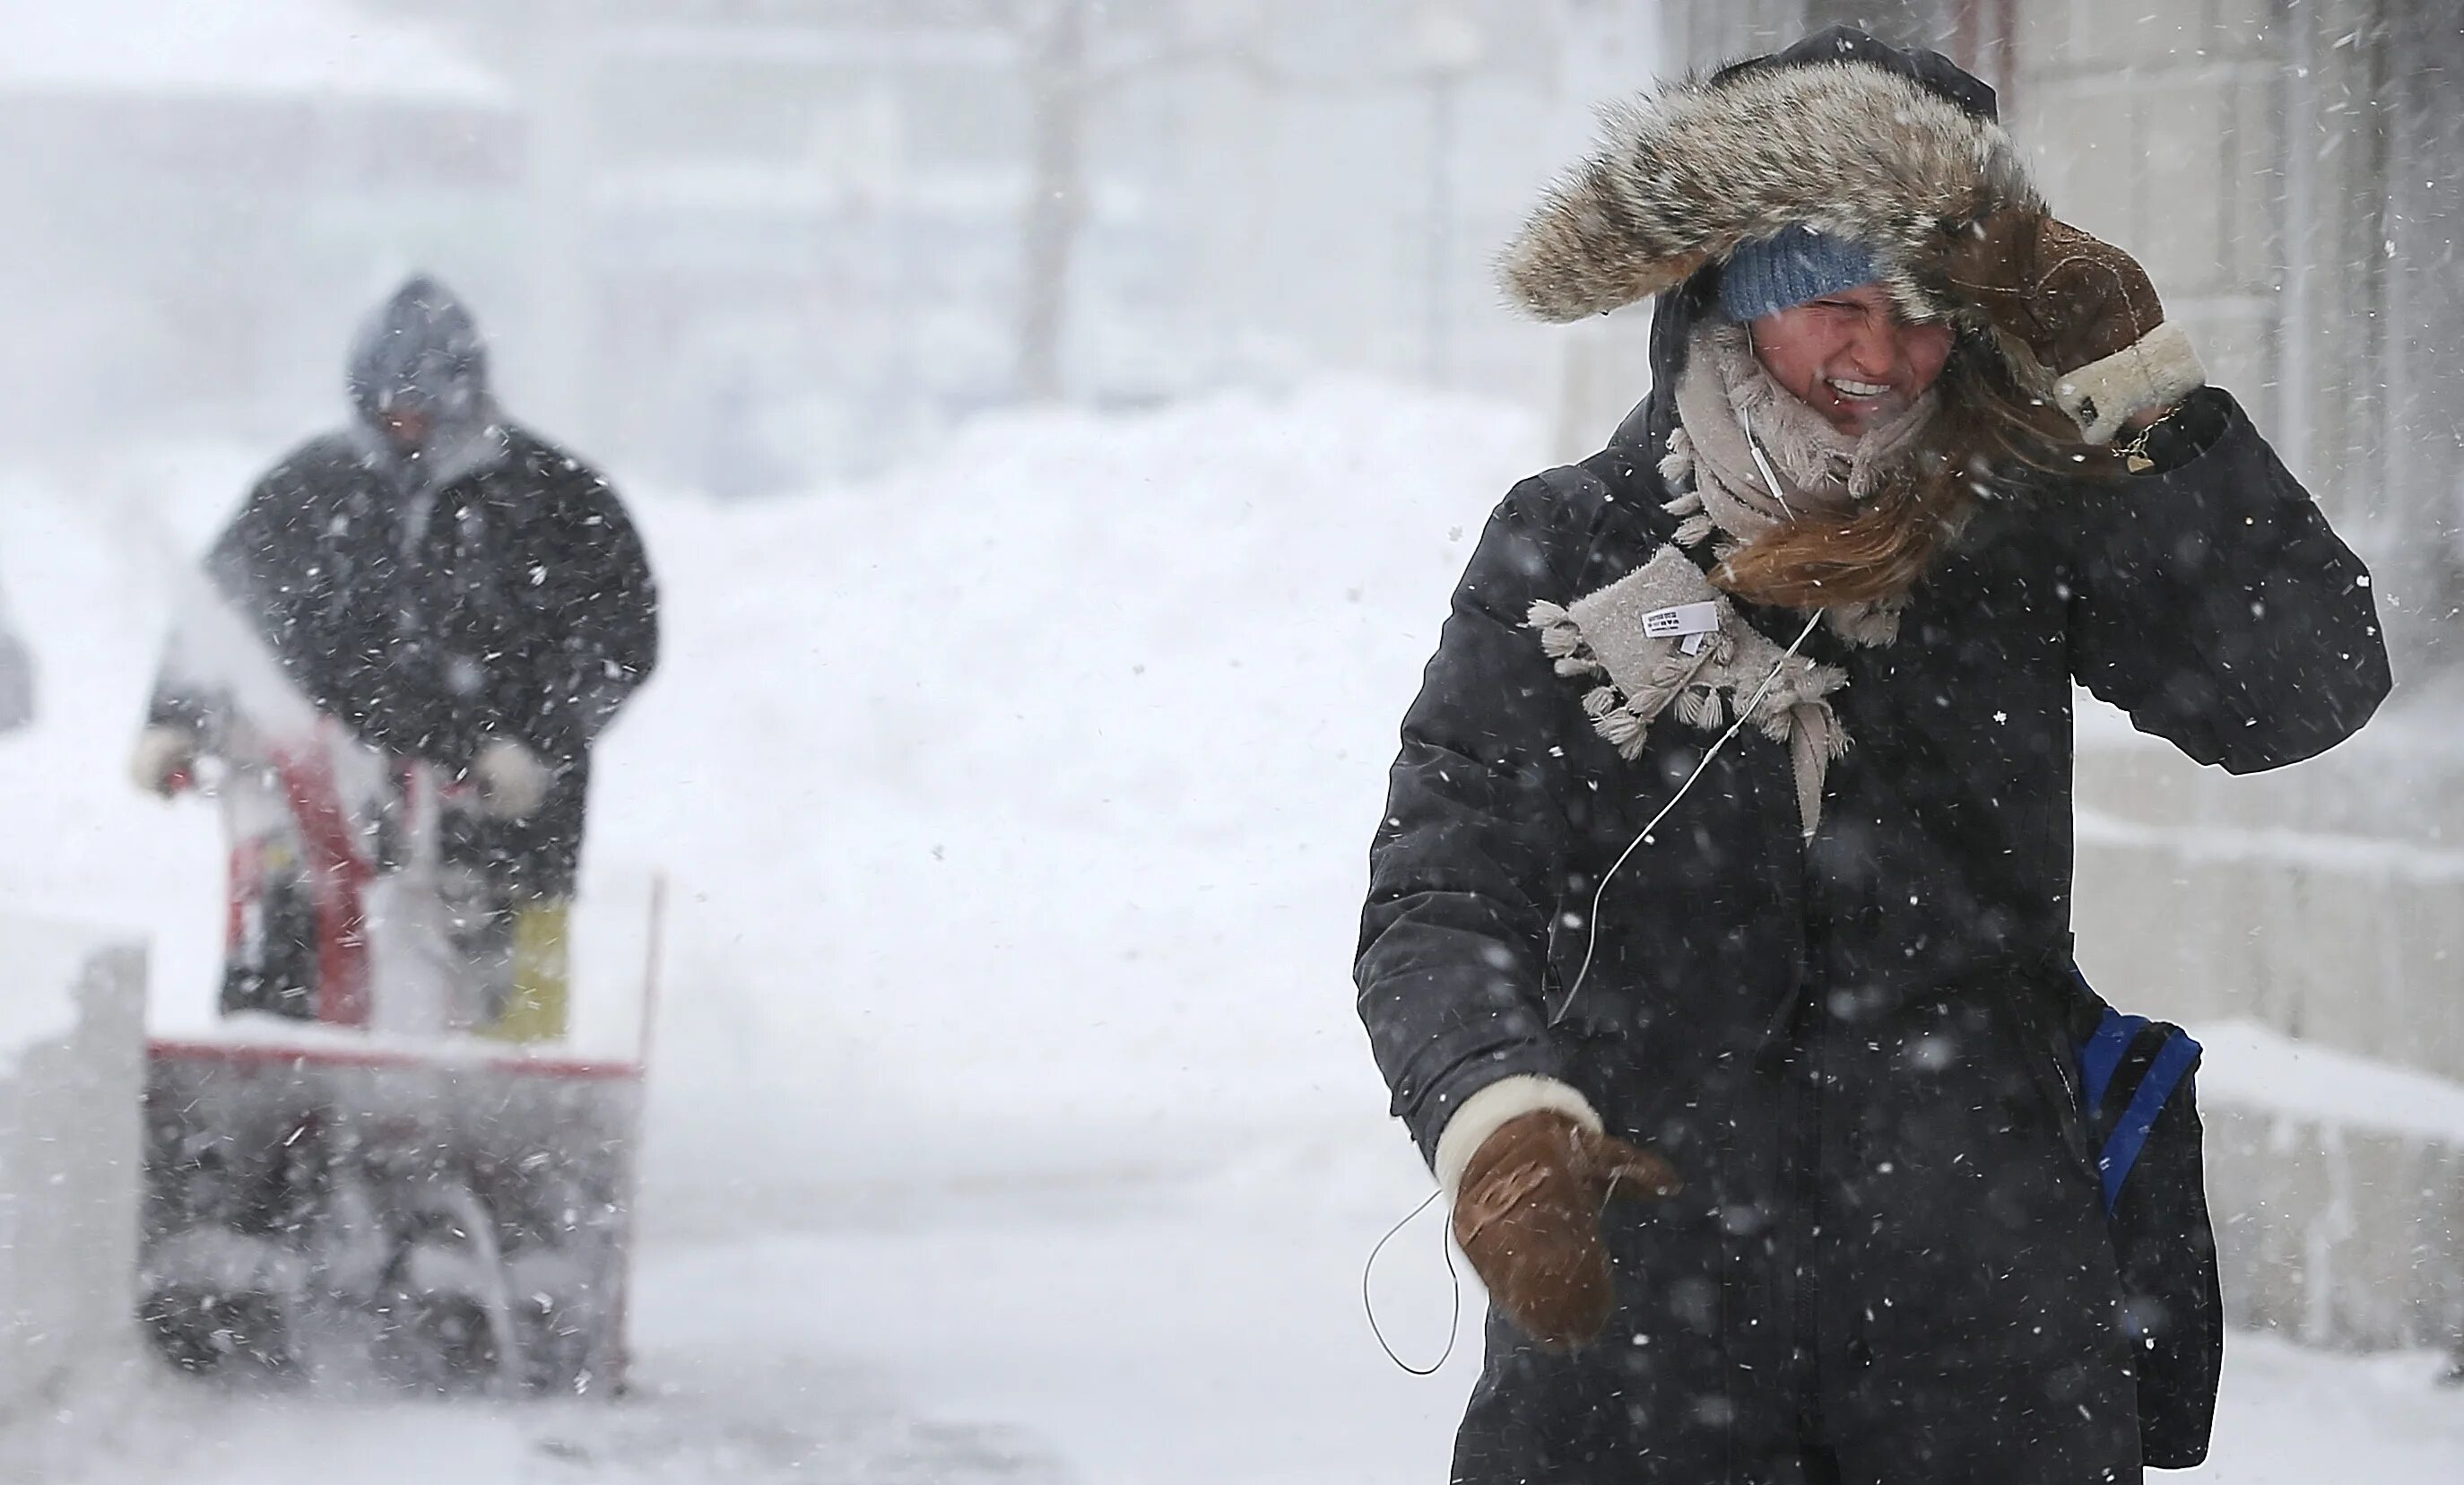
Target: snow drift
(1016, 803)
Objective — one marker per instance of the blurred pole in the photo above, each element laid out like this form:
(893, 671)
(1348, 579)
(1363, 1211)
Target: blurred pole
(2006, 54)
(2296, 374)
(1441, 227)
(558, 394)
(1605, 48)
(1450, 47)
(1056, 205)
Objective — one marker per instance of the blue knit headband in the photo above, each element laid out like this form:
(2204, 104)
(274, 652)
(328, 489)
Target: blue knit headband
(1765, 277)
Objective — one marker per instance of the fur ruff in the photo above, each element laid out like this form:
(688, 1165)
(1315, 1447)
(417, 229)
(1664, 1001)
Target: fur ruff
(1496, 1106)
(1686, 173)
(2158, 368)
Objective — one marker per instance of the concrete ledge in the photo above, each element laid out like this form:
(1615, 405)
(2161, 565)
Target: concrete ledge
(2345, 941)
(2398, 778)
(2337, 1236)
(2337, 1186)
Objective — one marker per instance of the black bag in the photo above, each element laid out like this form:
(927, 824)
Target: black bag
(2143, 1117)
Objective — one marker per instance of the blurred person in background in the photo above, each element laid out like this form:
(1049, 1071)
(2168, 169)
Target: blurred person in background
(447, 589)
(16, 675)
(1727, 856)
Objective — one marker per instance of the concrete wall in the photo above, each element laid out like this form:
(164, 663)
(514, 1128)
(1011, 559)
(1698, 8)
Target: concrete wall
(72, 1059)
(2288, 174)
(2338, 1233)
(2287, 178)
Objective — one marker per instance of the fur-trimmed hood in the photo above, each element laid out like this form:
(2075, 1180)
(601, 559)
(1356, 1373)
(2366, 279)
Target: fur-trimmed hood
(1838, 133)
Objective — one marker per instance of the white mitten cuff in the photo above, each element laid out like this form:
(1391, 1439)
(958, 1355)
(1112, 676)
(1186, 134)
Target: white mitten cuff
(1495, 1106)
(513, 782)
(163, 750)
(2156, 370)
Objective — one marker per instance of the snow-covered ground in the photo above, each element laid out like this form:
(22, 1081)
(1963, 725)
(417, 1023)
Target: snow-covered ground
(1009, 1119)
(1121, 1337)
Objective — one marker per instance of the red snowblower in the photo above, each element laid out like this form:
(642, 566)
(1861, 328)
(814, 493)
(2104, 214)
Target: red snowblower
(393, 1161)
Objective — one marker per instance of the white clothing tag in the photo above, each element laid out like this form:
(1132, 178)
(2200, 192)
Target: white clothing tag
(1695, 619)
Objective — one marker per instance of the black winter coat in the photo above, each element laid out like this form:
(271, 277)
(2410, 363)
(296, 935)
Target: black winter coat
(1858, 1051)
(523, 608)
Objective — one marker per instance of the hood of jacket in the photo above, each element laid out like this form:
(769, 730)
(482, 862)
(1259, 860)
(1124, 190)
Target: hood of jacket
(1839, 132)
(421, 350)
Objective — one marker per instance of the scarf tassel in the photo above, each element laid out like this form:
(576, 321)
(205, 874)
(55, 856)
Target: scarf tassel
(1561, 639)
(1700, 707)
(1677, 465)
(1624, 730)
(1814, 742)
(1694, 523)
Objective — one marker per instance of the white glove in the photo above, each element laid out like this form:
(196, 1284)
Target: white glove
(165, 756)
(513, 782)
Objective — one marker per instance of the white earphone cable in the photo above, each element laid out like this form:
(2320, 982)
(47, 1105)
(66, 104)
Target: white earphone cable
(1754, 447)
(1591, 924)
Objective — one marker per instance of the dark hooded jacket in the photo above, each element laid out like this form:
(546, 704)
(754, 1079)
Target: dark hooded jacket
(484, 585)
(1857, 1050)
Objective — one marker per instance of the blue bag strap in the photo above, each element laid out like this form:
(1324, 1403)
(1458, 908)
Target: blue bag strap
(2130, 1133)
(2103, 1053)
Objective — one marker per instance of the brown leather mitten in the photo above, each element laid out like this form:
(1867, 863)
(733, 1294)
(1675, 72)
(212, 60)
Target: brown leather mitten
(1528, 1215)
(2069, 298)
(2078, 304)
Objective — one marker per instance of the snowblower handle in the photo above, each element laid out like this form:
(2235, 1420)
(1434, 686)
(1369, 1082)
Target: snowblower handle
(204, 775)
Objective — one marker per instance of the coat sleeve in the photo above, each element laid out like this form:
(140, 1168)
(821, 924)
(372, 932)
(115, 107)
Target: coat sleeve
(1464, 866)
(595, 624)
(2211, 602)
(255, 587)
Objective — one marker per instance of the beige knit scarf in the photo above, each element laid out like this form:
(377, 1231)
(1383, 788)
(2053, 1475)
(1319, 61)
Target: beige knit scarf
(1727, 668)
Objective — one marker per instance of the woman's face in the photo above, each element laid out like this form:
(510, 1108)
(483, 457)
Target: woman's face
(1851, 357)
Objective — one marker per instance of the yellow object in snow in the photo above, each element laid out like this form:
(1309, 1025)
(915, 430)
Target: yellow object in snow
(535, 1004)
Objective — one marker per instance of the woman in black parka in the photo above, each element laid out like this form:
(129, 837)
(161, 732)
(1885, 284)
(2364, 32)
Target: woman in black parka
(1918, 457)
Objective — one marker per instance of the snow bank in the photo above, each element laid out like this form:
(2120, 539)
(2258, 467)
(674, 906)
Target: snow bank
(2247, 1063)
(2316, 850)
(1015, 804)
(90, 569)
(71, 1052)
(1021, 800)
(40, 1006)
